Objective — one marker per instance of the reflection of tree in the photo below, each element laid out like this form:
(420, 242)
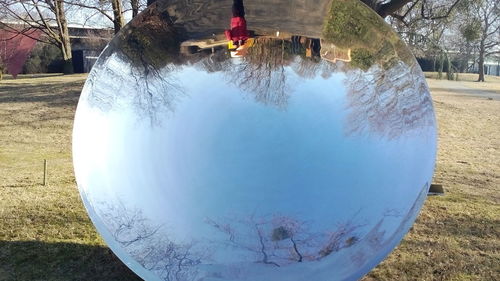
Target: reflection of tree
(150, 44)
(262, 71)
(128, 227)
(339, 239)
(150, 40)
(139, 64)
(149, 245)
(376, 239)
(307, 68)
(387, 102)
(259, 246)
(286, 228)
(388, 99)
(172, 262)
(113, 82)
(213, 62)
(376, 236)
(281, 240)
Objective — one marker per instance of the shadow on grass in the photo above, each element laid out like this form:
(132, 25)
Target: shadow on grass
(34, 260)
(52, 94)
(473, 92)
(32, 76)
(464, 216)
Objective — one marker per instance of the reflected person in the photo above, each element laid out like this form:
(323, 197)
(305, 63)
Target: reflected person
(238, 33)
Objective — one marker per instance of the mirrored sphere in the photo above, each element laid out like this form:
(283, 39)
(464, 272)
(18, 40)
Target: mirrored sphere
(254, 140)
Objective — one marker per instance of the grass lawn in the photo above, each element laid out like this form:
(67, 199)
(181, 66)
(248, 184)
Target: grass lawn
(45, 233)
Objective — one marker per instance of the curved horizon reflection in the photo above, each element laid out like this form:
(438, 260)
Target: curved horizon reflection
(254, 140)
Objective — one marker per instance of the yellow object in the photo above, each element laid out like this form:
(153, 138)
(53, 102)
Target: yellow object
(308, 52)
(248, 43)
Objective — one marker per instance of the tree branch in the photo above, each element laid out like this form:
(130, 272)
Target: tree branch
(82, 5)
(431, 17)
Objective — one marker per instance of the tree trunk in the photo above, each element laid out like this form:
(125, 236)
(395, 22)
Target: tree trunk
(151, 2)
(1, 69)
(118, 20)
(481, 61)
(64, 40)
(135, 7)
(481, 70)
(441, 66)
(449, 73)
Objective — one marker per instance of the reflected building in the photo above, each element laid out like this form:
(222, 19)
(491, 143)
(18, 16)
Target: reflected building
(254, 140)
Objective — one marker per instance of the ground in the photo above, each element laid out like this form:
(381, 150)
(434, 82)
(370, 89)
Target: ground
(45, 233)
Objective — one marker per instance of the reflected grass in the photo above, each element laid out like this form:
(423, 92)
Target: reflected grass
(351, 24)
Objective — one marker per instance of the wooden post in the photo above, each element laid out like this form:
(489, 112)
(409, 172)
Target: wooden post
(44, 172)
(436, 189)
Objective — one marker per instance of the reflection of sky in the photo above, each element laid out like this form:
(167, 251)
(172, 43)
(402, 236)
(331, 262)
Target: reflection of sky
(223, 154)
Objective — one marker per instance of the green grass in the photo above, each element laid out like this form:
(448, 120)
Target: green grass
(45, 233)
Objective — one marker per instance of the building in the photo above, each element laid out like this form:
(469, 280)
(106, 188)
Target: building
(491, 66)
(86, 44)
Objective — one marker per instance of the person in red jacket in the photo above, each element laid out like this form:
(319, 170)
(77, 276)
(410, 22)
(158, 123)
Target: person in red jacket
(238, 32)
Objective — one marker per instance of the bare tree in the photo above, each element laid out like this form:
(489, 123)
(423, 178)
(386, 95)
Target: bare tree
(118, 19)
(422, 23)
(468, 32)
(488, 13)
(400, 9)
(424, 30)
(48, 16)
(109, 9)
(134, 5)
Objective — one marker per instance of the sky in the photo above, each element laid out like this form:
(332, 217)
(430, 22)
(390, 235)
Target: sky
(78, 17)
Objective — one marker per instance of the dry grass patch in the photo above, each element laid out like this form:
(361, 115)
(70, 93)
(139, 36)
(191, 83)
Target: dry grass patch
(457, 236)
(45, 233)
(492, 83)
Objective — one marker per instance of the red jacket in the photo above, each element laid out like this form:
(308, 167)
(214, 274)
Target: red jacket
(238, 29)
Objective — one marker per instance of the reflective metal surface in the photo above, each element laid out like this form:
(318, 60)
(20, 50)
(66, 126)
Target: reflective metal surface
(255, 140)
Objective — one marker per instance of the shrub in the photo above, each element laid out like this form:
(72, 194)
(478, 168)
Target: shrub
(44, 58)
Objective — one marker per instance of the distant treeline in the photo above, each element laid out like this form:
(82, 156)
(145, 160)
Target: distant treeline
(434, 65)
